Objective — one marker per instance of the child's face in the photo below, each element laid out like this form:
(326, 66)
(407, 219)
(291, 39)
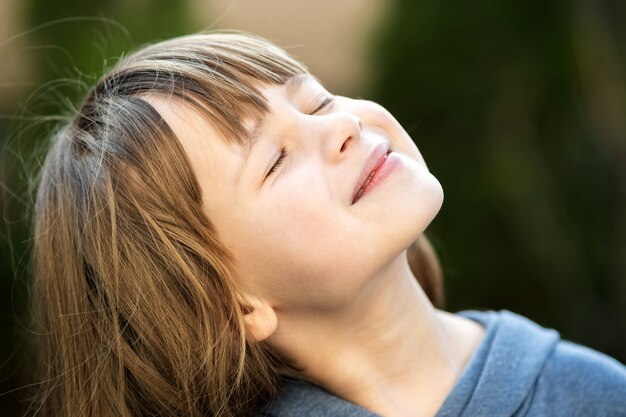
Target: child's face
(298, 239)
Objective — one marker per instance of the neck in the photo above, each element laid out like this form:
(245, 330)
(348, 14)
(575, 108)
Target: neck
(389, 351)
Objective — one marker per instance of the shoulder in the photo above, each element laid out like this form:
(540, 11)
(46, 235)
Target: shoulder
(585, 380)
(553, 377)
(302, 399)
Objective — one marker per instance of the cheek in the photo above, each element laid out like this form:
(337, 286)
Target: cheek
(299, 243)
(379, 118)
(301, 217)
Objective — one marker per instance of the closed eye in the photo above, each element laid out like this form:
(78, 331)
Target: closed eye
(283, 151)
(279, 161)
(323, 104)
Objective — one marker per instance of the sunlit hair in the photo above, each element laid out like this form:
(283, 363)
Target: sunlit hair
(137, 300)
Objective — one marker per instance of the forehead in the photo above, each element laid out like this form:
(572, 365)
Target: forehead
(212, 156)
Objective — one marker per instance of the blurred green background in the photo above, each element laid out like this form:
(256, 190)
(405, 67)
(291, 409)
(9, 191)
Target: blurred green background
(518, 108)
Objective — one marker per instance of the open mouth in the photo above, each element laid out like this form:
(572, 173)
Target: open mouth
(369, 178)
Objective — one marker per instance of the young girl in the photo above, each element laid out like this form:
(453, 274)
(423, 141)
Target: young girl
(218, 235)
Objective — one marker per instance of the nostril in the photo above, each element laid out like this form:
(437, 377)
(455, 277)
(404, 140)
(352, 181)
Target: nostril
(344, 144)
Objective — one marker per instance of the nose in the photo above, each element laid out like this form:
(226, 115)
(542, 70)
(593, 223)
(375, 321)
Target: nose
(341, 131)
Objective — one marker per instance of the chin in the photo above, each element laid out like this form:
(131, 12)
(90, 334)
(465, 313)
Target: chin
(424, 208)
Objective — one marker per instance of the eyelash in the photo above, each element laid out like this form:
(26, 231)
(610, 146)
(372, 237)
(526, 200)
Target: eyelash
(283, 151)
(328, 100)
(279, 162)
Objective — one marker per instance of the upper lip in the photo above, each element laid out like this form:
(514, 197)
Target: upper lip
(373, 161)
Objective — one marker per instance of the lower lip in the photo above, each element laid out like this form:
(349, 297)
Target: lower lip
(383, 171)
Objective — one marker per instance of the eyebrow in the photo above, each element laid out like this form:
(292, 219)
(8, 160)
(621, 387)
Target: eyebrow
(293, 85)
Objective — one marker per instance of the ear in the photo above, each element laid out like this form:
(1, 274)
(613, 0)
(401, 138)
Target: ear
(259, 319)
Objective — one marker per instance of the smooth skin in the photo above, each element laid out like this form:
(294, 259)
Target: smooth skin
(325, 280)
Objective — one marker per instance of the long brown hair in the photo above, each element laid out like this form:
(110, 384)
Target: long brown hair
(136, 298)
